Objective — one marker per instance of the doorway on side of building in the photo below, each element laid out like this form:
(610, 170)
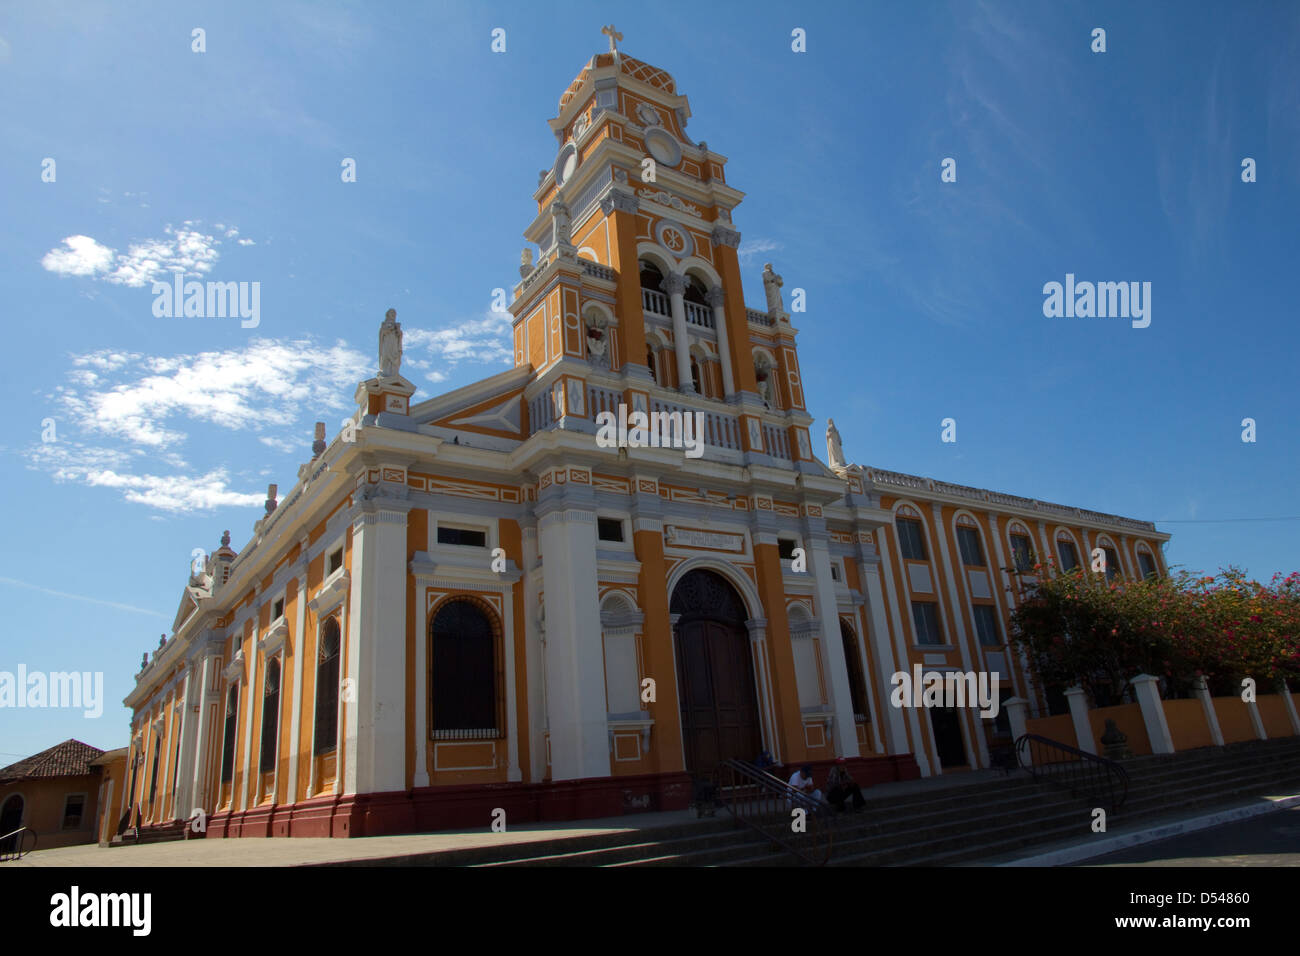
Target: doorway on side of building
(11, 818)
(715, 673)
(948, 743)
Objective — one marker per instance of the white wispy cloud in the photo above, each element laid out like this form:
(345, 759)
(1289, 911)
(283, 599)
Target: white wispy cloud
(122, 416)
(751, 249)
(485, 339)
(188, 249)
(267, 384)
(81, 597)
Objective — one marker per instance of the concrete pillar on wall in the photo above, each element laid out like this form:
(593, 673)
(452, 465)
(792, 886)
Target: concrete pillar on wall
(716, 298)
(1289, 703)
(675, 286)
(375, 736)
(290, 794)
(575, 671)
(895, 732)
(1207, 704)
(844, 731)
(1078, 700)
(1017, 715)
(1147, 690)
(1256, 721)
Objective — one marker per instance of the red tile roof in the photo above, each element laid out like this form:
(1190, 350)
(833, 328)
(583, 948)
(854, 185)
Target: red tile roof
(68, 759)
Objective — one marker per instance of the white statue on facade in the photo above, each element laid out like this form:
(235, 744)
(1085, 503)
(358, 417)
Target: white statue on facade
(390, 346)
(834, 450)
(525, 263)
(772, 286)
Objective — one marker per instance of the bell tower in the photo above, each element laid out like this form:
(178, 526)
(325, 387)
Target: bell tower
(636, 294)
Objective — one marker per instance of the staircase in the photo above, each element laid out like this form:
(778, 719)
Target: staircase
(940, 826)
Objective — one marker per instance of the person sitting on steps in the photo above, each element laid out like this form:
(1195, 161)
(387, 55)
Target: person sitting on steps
(840, 787)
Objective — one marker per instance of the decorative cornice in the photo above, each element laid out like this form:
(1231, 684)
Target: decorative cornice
(617, 200)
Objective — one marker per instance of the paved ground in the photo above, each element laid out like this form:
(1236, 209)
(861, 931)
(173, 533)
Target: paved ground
(1272, 839)
(294, 852)
(299, 851)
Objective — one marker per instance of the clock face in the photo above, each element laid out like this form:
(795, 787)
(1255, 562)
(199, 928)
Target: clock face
(663, 147)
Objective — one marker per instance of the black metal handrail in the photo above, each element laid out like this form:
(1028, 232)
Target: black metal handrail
(11, 844)
(1083, 774)
(766, 805)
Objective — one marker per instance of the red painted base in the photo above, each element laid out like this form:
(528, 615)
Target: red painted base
(430, 809)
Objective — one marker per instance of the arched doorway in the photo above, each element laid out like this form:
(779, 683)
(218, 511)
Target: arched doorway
(715, 669)
(11, 818)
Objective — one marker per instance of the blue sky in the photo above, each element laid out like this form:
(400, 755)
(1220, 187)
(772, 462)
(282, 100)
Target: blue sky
(924, 298)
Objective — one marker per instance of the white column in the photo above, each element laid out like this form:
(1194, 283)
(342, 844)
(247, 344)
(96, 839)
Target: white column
(1147, 690)
(423, 580)
(1048, 552)
(896, 733)
(1285, 692)
(844, 730)
(757, 628)
(716, 298)
(575, 670)
(375, 738)
(970, 722)
(250, 692)
(1015, 708)
(196, 794)
(534, 659)
(1007, 600)
(675, 285)
(299, 648)
(1252, 709)
(1207, 705)
(1078, 700)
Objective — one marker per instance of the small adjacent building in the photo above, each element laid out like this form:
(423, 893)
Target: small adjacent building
(56, 793)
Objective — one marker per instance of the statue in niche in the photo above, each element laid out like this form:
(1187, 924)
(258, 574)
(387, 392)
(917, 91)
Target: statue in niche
(763, 375)
(772, 286)
(597, 341)
(390, 346)
(561, 225)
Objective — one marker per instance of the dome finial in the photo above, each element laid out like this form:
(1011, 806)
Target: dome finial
(614, 37)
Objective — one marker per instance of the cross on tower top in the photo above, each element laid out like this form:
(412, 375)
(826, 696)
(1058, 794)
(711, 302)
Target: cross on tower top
(614, 37)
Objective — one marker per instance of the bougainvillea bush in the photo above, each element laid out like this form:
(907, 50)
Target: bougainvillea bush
(1077, 627)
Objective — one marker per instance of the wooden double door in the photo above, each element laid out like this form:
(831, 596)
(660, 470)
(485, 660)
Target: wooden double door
(715, 673)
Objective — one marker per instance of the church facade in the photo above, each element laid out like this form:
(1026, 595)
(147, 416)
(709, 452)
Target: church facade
(566, 589)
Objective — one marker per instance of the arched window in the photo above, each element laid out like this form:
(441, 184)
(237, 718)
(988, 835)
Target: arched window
(327, 688)
(228, 745)
(695, 376)
(650, 361)
(270, 715)
(695, 291)
(463, 685)
(651, 276)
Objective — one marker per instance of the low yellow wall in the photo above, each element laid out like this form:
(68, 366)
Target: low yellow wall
(1128, 718)
(1272, 711)
(1187, 724)
(1234, 720)
(1059, 728)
